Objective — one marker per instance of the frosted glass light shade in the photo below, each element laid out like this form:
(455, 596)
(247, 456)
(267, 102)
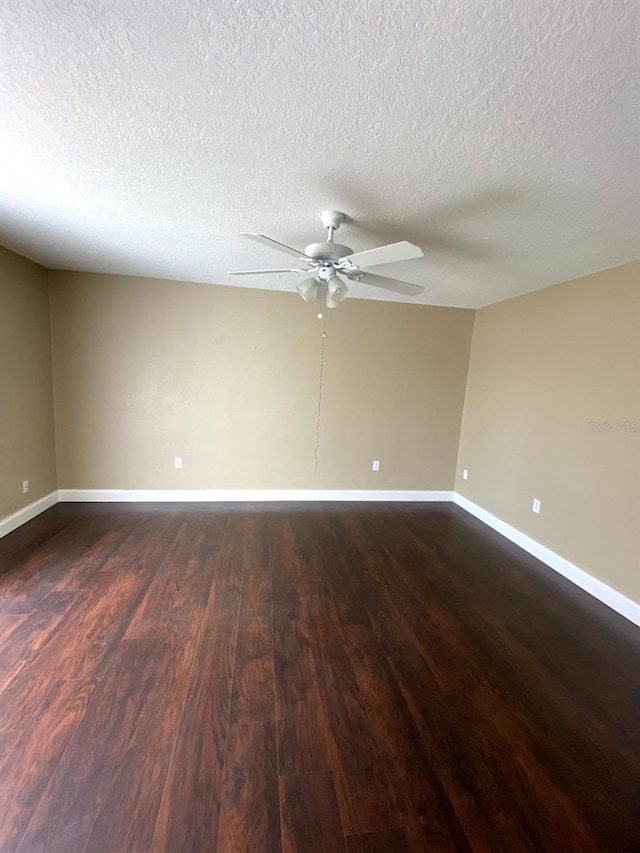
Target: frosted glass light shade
(337, 291)
(308, 289)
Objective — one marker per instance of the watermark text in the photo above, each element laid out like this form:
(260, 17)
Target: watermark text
(614, 426)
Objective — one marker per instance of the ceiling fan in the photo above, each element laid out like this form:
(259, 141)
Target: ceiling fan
(329, 261)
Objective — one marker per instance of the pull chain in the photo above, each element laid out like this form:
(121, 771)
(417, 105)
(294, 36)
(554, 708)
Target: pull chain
(323, 337)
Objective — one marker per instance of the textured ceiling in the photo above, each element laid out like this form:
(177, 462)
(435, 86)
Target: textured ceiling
(141, 137)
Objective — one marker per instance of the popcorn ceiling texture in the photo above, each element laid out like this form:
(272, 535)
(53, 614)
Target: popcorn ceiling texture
(141, 137)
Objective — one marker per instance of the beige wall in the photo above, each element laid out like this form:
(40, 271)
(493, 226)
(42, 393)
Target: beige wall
(544, 367)
(227, 378)
(27, 449)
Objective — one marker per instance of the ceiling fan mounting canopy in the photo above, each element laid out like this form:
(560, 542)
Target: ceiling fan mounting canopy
(325, 260)
(332, 219)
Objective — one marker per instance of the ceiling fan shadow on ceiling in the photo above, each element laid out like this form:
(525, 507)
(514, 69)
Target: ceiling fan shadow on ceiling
(330, 263)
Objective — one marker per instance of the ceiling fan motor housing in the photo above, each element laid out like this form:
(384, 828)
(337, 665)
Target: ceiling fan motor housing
(327, 251)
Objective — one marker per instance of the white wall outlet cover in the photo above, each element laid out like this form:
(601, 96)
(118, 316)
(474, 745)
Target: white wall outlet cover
(465, 474)
(25, 487)
(376, 465)
(177, 461)
(536, 505)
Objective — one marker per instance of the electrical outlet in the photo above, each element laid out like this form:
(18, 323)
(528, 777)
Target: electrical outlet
(376, 465)
(25, 487)
(177, 461)
(465, 474)
(536, 505)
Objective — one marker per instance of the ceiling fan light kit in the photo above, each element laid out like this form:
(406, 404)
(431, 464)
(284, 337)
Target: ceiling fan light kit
(308, 289)
(337, 291)
(328, 261)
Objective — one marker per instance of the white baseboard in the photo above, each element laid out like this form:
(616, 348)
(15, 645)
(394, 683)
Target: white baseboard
(609, 596)
(142, 495)
(11, 522)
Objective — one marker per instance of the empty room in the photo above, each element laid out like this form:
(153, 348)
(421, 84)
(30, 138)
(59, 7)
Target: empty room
(319, 427)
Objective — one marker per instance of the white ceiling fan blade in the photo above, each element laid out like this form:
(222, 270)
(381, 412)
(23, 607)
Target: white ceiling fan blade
(402, 251)
(273, 244)
(262, 272)
(385, 283)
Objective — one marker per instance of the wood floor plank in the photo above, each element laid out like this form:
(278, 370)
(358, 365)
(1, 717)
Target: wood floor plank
(366, 792)
(310, 816)
(558, 716)
(447, 648)
(35, 756)
(501, 612)
(142, 770)
(171, 612)
(468, 783)
(302, 737)
(253, 697)
(343, 574)
(487, 814)
(365, 786)
(366, 795)
(30, 632)
(510, 743)
(9, 622)
(98, 759)
(250, 808)
(20, 544)
(7, 742)
(428, 810)
(22, 589)
(387, 841)
(114, 530)
(397, 672)
(466, 773)
(100, 617)
(302, 723)
(179, 592)
(190, 807)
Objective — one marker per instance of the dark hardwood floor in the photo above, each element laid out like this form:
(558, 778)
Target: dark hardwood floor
(360, 678)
